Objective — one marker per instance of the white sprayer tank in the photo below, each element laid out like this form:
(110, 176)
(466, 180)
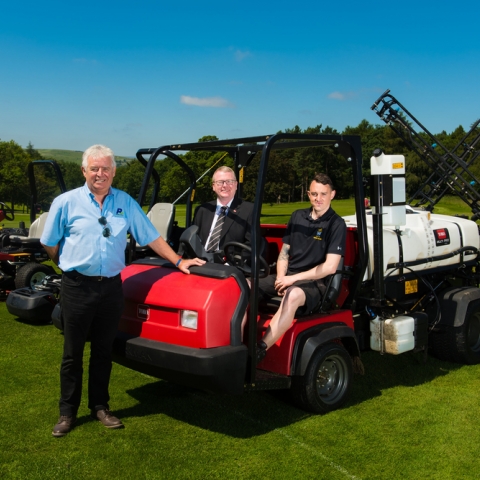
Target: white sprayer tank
(425, 235)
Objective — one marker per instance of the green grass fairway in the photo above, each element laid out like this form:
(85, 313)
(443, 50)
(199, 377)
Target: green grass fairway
(405, 420)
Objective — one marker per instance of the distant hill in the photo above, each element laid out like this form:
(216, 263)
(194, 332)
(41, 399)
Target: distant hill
(71, 155)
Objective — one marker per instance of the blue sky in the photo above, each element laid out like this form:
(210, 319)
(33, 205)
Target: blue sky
(137, 74)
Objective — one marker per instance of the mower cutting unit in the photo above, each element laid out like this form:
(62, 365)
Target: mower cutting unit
(408, 281)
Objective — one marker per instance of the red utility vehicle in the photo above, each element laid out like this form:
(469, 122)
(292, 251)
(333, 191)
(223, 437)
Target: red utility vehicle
(402, 287)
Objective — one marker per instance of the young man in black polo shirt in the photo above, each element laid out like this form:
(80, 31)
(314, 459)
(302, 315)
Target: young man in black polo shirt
(312, 248)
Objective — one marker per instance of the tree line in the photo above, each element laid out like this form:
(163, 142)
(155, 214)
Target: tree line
(289, 173)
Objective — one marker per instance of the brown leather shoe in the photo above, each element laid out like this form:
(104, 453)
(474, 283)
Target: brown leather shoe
(106, 417)
(64, 425)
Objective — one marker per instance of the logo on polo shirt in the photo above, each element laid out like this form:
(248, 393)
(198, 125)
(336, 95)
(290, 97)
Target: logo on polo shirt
(318, 235)
(119, 212)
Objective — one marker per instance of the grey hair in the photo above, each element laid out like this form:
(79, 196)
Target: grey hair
(97, 151)
(224, 169)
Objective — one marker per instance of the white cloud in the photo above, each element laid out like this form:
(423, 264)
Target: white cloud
(216, 102)
(240, 55)
(341, 95)
(337, 96)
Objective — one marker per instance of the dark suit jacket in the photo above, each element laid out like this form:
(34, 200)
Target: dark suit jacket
(237, 224)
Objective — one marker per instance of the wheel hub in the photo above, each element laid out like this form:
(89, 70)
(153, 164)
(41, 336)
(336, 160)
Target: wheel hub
(327, 378)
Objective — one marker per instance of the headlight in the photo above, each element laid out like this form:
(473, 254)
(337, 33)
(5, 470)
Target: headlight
(189, 319)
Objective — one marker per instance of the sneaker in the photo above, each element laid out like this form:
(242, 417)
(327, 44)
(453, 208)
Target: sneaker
(64, 425)
(261, 351)
(106, 417)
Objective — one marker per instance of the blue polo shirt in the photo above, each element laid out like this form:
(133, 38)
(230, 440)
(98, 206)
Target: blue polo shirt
(73, 223)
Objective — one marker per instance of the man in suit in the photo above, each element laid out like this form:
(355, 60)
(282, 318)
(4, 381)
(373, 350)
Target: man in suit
(235, 226)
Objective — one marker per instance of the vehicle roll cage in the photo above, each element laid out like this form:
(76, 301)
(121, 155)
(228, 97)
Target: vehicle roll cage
(243, 150)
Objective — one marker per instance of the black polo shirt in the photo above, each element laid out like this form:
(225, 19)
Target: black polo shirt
(310, 240)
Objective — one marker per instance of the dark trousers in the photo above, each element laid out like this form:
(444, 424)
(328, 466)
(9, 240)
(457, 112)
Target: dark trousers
(90, 309)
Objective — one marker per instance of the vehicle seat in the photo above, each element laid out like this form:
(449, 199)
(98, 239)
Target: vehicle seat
(34, 233)
(162, 216)
(334, 285)
(36, 228)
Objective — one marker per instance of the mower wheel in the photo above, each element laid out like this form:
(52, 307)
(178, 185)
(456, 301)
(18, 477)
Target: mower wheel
(31, 275)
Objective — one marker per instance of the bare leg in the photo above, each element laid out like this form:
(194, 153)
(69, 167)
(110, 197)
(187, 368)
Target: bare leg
(281, 321)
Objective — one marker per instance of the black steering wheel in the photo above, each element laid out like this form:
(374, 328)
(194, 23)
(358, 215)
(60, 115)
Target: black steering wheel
(233, 253)
(8, 212)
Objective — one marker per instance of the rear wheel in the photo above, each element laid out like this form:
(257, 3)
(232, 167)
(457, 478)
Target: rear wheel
(327, 381)
(31, 275)
(459, 344)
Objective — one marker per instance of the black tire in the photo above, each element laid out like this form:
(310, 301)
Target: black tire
(31, 275)
(459, 344)
(327, 381)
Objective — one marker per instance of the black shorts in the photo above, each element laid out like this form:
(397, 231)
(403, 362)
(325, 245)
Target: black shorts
(313, 289)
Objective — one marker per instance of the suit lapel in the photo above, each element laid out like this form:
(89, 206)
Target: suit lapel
(206, 222)
(232, 212)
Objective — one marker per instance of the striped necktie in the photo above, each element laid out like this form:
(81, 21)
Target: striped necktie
(217, 231)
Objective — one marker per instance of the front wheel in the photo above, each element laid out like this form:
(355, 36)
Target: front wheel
(327, 381)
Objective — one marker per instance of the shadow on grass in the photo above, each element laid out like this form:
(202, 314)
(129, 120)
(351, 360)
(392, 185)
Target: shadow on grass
(257, 413)
(239, 416)
(388, 371)
(34, 322)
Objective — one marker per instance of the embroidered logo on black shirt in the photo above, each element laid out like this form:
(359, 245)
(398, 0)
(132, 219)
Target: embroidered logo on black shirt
(318, 235)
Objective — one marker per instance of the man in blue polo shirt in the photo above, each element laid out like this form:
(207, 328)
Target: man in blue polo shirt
(86, 236)
(313, 246)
